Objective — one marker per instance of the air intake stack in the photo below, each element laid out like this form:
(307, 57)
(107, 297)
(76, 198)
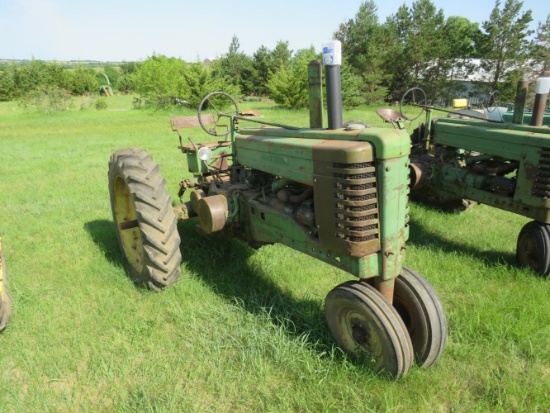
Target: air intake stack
(332, 59)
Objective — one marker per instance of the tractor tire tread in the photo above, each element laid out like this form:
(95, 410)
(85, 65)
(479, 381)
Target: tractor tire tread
(157, 221)
(436, 320)
(381, 309)
(398, 328)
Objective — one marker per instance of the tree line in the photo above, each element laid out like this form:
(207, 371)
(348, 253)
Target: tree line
(416, 46)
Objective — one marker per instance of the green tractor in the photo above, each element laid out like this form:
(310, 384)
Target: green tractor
(338, 194)
(466, 157)
(6, 303)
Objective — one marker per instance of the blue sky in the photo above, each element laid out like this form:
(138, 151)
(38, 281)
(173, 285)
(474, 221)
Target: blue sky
(135, 29)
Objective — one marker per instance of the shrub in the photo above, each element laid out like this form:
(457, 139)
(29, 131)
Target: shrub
(162, 82)
(101, 104)
(46, 99)
(81, 80)
(159, 80)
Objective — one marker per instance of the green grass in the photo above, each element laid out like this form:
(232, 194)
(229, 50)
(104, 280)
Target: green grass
(242, 330)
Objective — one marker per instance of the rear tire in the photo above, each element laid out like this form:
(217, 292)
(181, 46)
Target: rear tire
(144, 219)
(6, 303)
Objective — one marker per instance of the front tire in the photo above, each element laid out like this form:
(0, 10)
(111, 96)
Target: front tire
(366, 326)
(422, 313)
(533, 247)
(144, 219)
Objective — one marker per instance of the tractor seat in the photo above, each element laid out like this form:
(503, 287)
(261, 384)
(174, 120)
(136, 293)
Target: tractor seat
(390, 115)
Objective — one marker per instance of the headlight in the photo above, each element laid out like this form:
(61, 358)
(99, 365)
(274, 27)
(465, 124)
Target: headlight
(205, 153)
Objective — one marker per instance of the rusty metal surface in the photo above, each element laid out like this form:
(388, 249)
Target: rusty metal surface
(213, 213)
(386, 287)
(346, 197)
(221, 163)
(315, 95)
(184, 211)
(128, 224)
(251, 113)
(521, 98)
(195, 197)
(182, 122)
(418, 173)
(190, 148)
(538, 109)
(390, 115)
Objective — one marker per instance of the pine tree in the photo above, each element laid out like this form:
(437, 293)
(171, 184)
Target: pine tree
(505, 43)
(541, 48)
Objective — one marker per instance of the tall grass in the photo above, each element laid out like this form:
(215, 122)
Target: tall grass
(242, 330)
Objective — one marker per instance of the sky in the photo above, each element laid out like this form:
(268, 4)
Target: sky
(132, 30)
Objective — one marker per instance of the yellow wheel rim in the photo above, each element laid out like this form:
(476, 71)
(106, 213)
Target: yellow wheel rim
(128, 225)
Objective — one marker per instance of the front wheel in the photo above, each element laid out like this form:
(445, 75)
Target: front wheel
(533, 247)
(144, 219)
(422, 313)
(366, 326)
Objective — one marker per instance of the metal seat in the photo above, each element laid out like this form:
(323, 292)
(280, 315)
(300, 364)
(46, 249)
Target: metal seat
(390, 115)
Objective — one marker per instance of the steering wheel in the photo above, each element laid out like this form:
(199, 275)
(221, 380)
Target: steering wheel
(416, 97)
(494, 100)
(210, 115)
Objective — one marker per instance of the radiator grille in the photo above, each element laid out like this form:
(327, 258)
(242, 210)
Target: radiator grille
(355, 202)
(541, 187)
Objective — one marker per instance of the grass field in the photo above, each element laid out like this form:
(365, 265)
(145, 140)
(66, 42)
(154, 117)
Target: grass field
(242, 330)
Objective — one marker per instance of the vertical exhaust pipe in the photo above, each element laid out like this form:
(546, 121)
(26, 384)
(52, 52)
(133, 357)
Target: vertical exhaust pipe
(543, 87)
(315, 95)
(332, 59)
(519, 105)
